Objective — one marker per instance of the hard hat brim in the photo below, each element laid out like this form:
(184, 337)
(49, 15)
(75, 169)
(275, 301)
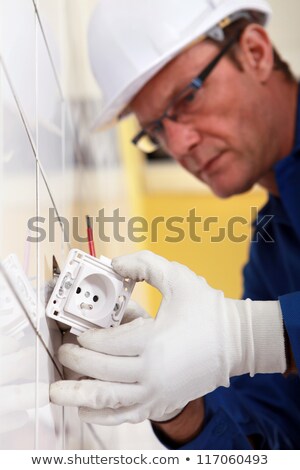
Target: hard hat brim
(114, 108)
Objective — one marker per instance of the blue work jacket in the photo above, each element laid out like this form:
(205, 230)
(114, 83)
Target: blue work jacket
(266, 406)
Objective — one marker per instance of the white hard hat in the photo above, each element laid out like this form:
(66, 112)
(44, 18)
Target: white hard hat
(131, 40)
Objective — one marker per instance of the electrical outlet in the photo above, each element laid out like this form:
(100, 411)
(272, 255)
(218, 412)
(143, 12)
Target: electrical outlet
(89, 294)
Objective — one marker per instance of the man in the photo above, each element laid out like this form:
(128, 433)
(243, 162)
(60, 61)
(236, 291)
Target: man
(206, 85)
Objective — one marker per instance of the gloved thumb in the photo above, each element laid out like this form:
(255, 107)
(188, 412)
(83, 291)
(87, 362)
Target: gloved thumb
(133, 311)
(145, 266)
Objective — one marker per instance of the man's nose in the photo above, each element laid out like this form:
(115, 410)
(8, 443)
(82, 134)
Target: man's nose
(180, 138)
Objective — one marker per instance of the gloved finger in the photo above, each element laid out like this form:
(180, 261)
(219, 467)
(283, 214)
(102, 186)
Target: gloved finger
(100, 366)
(133, 311)
(95, 394)
(125, 340)
(68, 373)
(108, 417)
(145, 266)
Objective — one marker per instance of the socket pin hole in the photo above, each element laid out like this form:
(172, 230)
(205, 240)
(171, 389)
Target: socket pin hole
(56, 313)
(54, 301)
(95, 298)
(78, 290)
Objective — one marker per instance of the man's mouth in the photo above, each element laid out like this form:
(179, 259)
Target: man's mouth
(208, 167)
(198, 168)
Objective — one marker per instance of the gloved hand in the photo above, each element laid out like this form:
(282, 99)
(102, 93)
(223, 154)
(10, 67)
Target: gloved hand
(151, 368)
(133, 311)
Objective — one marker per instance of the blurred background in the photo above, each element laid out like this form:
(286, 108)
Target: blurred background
(52, 167)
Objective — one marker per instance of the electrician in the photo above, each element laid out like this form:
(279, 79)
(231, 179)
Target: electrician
(208, 88)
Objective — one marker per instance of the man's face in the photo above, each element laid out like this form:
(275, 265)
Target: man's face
(229, 143)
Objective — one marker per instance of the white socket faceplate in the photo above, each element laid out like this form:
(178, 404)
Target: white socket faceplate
(89, 293)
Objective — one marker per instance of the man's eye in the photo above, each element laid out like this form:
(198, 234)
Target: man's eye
(189, 97)
(185, 102)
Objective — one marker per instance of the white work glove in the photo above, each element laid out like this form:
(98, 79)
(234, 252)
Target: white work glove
(133, 311)
(151, 368)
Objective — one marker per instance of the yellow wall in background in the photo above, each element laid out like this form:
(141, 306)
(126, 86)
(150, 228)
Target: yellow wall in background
(219, 262)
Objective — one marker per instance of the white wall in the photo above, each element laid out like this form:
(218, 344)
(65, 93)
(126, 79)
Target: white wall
(40, 168)
(44, 146)
(36, 145)
(285, 32)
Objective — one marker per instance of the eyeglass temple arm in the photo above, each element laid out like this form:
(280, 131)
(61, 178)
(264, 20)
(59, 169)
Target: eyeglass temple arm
(138, 137)
(199, 80)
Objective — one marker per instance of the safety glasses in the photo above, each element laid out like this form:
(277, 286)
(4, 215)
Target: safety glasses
(185, 104)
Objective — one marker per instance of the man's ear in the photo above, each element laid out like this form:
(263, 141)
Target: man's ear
(257, 52)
